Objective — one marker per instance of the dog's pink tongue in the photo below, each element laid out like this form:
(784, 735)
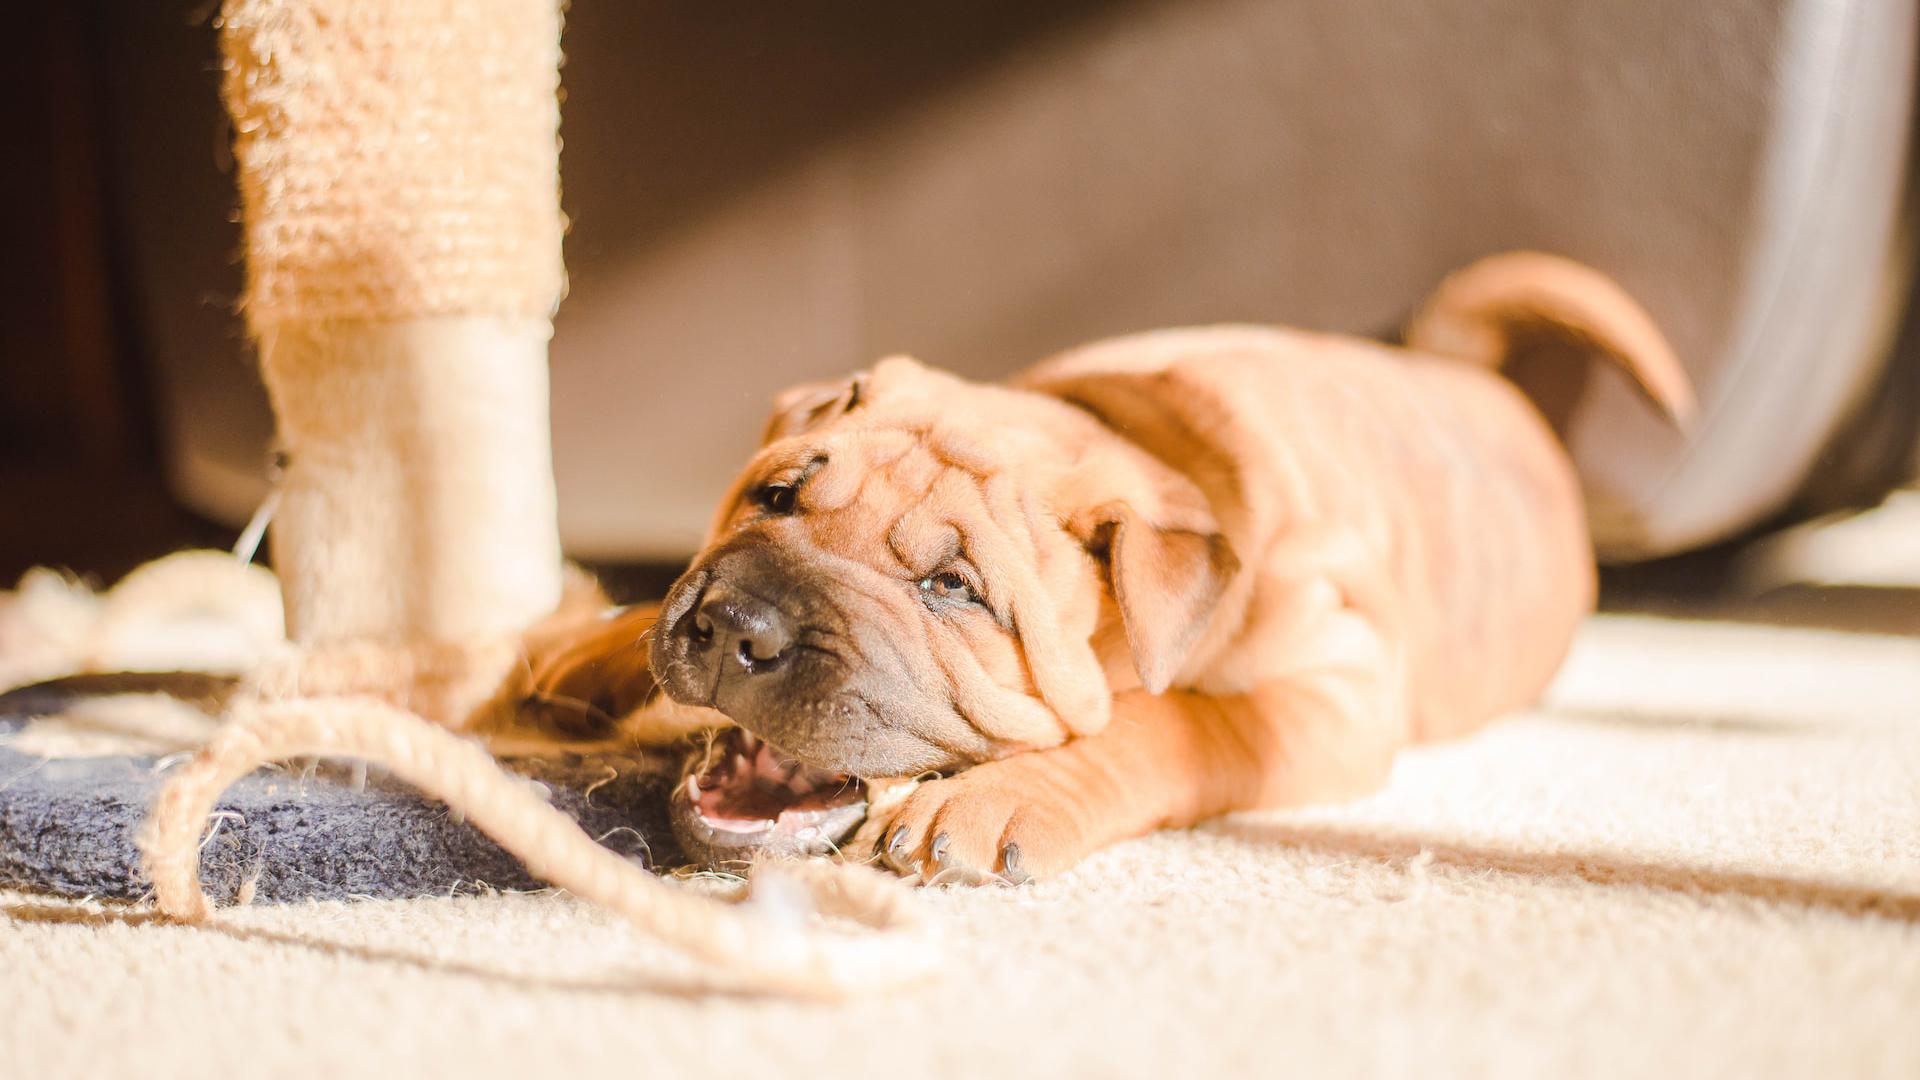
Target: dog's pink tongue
(752, 784)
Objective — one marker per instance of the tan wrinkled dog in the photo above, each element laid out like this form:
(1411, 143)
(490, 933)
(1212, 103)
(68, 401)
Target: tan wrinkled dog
(1152, 580)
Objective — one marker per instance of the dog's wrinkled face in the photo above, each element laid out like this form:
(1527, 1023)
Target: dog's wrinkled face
(918, 572)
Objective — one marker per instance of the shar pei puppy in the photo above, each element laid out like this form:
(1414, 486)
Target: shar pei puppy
(1148, 581)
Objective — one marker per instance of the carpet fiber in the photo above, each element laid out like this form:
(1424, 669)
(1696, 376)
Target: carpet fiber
(1701, 857)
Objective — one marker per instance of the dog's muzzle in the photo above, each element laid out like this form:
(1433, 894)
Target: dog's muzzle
(759, 636)
(747, 634)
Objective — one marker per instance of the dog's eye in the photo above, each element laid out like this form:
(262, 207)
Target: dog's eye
(949, 585)
(781, 494)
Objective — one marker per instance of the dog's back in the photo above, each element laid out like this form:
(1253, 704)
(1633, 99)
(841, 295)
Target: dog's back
(1428, 490)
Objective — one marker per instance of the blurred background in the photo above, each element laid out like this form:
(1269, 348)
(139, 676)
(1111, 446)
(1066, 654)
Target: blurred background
(791, 191)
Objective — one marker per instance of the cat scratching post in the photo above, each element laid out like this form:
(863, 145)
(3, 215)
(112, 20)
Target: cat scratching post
(398, 167)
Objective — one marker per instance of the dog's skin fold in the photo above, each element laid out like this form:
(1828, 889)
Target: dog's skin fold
(1151, 580)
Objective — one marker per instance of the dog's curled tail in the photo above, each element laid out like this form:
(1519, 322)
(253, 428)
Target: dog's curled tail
(1486, 311)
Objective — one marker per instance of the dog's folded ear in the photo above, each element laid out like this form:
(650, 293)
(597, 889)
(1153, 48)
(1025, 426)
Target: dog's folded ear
(1166, 582)
(799, 408)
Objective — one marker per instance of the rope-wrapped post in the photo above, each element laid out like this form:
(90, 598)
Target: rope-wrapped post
(399, 185)
(398, 169)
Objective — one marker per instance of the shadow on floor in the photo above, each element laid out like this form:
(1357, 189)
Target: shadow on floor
(1859, 609)
(1597, 868)
(617, 982)
(1671, 720)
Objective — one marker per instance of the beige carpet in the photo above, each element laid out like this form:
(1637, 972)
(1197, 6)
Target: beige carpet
(1703, 859)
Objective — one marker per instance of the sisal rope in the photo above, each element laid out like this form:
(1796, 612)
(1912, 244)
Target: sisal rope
(754, 946)
(396, 160)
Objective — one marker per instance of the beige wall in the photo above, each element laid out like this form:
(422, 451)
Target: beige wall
(791, 195)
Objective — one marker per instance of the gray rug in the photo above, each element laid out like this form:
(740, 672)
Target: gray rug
(300, 832)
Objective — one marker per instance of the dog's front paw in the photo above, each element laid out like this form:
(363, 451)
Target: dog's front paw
(996, 822)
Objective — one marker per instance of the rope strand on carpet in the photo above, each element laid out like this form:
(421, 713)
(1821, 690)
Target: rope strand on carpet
(756, 944)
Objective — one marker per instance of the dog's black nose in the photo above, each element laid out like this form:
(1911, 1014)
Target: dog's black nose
(750, 632)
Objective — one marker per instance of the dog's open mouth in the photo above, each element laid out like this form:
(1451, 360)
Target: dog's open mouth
(739, 796)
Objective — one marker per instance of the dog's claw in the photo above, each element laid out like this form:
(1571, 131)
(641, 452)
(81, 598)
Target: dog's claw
(896, 851)
(1010, 865)
(939, 850)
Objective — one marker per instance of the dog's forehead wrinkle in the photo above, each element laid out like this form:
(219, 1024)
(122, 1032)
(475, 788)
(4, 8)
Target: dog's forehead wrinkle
(916, 528)
(878, 446)
(923, 543)
(797, 454)
(1003, 512)
(989, 549)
